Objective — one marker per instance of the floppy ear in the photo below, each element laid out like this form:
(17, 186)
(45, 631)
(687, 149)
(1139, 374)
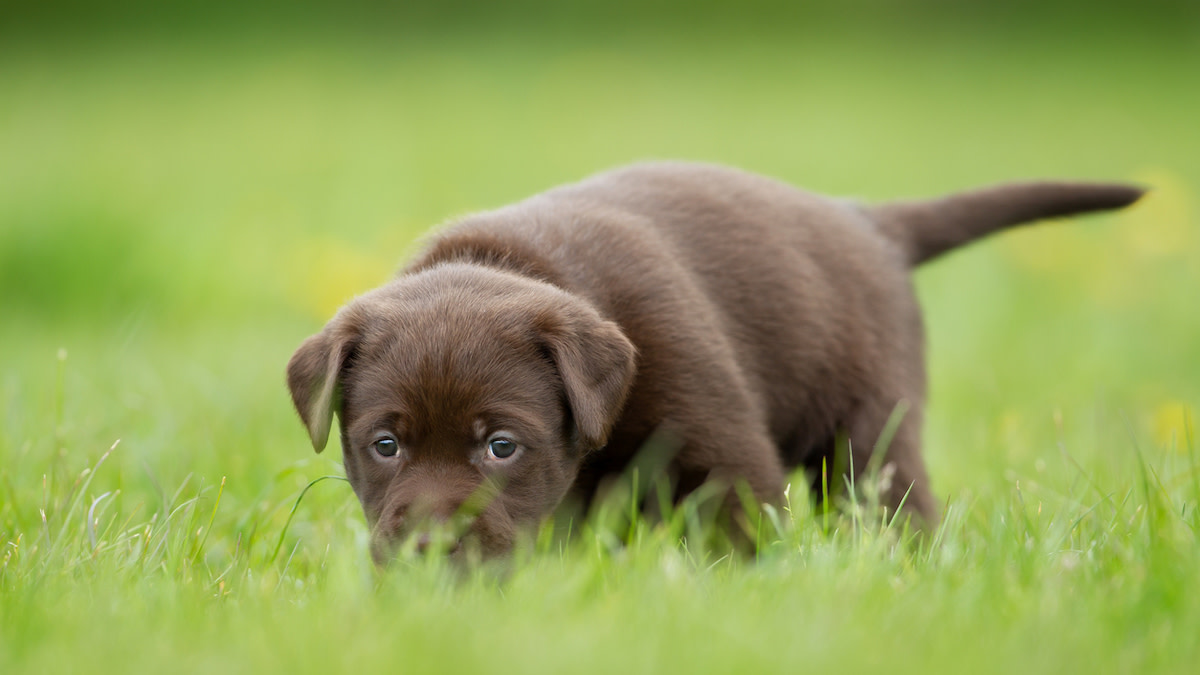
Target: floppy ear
(597, 365)
(312, 375)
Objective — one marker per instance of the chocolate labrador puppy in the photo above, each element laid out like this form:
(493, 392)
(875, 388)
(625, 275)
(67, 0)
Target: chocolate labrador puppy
(531, 351)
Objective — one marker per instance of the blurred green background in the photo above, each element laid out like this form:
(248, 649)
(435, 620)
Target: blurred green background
(187, 192)
(189, 189)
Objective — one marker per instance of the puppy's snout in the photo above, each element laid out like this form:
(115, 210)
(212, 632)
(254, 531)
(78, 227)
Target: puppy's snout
(436, 511)
(428, 512)
(431, 543)
(424, 526)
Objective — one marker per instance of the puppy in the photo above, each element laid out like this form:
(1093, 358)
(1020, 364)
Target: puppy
(531, 351)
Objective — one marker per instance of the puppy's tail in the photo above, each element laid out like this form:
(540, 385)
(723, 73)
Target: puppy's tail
(926, 229)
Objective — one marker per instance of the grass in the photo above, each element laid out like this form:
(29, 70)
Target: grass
(176, 217)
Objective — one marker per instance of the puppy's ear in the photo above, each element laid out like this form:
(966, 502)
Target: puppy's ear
(597, 365)
(312, 375)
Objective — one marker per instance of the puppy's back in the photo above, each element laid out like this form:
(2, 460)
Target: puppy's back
(793, 294)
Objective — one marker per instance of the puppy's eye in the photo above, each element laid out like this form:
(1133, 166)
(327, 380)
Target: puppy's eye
(386, 446)
(501, 448)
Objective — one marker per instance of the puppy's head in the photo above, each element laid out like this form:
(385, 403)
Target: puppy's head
(466, 398)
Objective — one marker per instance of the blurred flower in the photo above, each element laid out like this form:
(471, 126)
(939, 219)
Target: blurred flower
(1111, 263)
(1163, 223)
(326, 273)
(1174, 426)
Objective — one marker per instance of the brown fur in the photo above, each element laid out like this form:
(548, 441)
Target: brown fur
(752, 320)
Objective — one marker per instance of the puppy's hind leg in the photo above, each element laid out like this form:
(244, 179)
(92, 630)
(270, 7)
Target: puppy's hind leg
(886, 435)
(736, 458)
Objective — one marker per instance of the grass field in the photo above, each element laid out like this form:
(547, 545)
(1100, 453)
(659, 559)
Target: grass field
(177, 215)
